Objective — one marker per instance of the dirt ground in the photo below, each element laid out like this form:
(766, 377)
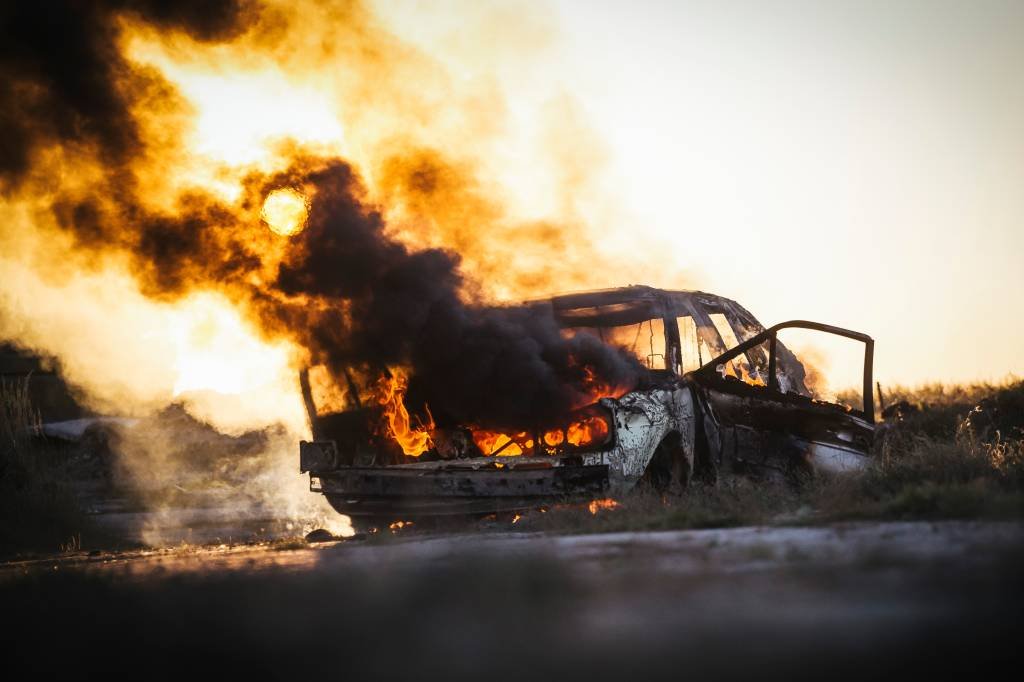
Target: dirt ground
(848, 600)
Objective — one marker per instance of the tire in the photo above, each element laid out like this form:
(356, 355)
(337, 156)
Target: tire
(668, 472)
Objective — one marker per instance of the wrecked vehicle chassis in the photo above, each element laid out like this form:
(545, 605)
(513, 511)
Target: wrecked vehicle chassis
(745, 410)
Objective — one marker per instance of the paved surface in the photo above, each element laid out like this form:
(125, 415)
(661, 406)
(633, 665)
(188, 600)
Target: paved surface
(749, 550)
(861, 599)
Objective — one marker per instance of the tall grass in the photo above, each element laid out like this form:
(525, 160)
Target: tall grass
(938, 395)
(19, 421)
(933, 463)
(38, 506)
(918, 473)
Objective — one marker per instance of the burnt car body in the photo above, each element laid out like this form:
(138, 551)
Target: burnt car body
(744, 407)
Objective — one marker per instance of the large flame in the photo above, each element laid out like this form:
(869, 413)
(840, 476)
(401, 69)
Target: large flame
(413, 440)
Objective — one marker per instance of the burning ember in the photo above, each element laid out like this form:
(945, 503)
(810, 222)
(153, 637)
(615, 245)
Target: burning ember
(606, 503)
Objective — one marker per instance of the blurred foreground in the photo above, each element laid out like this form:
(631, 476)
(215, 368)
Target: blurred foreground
(846, 601)
(194, 576)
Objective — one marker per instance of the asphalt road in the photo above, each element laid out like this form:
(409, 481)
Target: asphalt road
(844, 601)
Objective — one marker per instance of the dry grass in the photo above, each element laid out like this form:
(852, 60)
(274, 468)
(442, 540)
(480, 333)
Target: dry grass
(939, 461)
(932, 464)
(938, 395)
(19, 421)
(38, 507)
(924, 478)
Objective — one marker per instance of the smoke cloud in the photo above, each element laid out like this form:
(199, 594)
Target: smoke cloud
(63, 80)
(345, 290)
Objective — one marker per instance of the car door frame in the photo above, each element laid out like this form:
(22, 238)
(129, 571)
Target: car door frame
(766, 429)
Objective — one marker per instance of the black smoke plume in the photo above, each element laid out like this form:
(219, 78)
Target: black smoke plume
(502, 365)
(345, 290)
(60, 72)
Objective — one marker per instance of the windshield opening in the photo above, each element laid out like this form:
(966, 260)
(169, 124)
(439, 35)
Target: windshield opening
(644, 340)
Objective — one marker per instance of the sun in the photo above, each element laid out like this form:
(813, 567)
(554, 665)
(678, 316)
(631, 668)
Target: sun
(284, 212)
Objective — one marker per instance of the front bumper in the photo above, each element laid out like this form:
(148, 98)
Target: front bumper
(456, 489)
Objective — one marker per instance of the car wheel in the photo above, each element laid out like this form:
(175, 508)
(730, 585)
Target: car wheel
(668, 472)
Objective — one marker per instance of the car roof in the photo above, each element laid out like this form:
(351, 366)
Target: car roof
(635, 303)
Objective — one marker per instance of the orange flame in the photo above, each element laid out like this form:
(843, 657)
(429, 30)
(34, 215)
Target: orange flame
(502, 444)
(590, 429)
(414, 441)
(554, 438)
(606, 503)
(596, 388)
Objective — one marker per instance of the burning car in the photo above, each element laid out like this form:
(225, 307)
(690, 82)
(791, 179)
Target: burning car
(719, 394)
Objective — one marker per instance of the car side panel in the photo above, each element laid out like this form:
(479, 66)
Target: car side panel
(643, 419)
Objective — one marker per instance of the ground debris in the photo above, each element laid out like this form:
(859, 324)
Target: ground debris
(321, 535)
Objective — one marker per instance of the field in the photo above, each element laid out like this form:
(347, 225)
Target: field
(913, 566)
(937, 457)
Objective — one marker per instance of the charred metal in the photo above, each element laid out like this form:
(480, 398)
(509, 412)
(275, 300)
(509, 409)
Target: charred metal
(721, 394)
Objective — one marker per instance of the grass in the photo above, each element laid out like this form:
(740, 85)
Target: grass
(39, 510)
(940, 459)
(943, 459)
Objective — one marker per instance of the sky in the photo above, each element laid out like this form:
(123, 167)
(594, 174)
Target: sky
(855, 163)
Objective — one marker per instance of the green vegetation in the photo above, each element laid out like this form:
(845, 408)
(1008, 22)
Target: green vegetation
(952, 453)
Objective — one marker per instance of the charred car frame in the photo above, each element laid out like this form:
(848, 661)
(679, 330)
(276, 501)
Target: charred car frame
(721, 394)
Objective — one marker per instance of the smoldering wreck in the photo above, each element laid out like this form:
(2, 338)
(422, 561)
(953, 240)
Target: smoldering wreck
(423, 394)
(716, 394)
